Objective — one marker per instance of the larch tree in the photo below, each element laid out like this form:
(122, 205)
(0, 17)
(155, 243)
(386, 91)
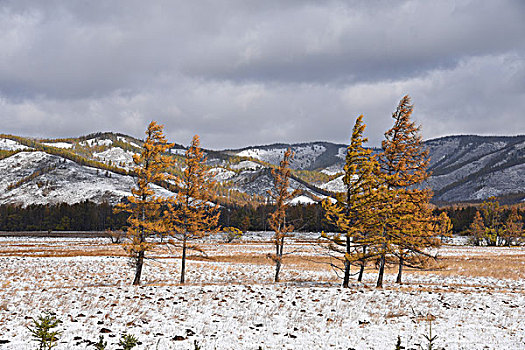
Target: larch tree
(143, 205)
(492, 212)
(354, 212)
(443, 225)
(281, 198)
(477, 228)
(513, 229)
(403, 163)
(191, 215)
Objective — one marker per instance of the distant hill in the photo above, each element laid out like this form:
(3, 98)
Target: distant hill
(95, 167)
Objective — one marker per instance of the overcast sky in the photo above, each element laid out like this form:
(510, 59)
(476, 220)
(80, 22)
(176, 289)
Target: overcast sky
(246, 72)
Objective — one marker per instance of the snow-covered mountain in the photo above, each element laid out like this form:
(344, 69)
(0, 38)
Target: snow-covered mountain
(41, 178)
(464, 168)
(475, 167)
(307, 156)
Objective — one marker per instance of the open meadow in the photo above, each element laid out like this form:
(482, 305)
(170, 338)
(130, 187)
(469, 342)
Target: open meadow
(475, 301)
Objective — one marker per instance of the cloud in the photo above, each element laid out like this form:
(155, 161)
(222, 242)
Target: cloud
(254, 72)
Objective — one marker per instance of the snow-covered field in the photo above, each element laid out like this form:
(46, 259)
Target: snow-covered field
(230, 301)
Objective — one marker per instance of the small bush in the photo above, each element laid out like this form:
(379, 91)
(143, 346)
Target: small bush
(128, 341)
(101, 344)
(42, 331)
(231, 234)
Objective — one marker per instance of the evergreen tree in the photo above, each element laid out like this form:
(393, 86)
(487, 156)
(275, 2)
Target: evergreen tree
(144, 206)
(191, 215)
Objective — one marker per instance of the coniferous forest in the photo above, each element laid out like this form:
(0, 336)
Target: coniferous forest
(89, 216)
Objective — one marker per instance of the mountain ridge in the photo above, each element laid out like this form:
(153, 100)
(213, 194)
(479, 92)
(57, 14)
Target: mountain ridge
(463, 167)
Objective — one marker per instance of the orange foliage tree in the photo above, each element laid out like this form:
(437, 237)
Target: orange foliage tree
(281, 198)
(355, 214)
(513, 230)
(408, 227)
(144, 206)
(191, 215)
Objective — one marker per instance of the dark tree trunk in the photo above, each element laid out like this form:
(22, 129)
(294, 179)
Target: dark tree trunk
(361, 271)
(362, 267)
(138, 268)
(379, 283)
(278, 258)
(346, 277)
(400, 271)
(183, 268)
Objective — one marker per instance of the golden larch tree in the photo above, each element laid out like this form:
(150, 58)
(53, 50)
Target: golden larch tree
(354, 213)
(404, 164)
(492, 212)
(281, 199)
(443, 225)
(513, 229)
(191, 214)
(477, 228)
(143, 205)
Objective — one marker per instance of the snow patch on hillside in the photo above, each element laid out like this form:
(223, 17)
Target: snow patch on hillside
(11, 145)
(304, 156)
(58, 144)
(332, 170)
(221, 174)
(178, 151)
(96, 142)
(302, 200)
(341, 153)
(335, 185)
(117, 156)
(246, 165)
(123, 139)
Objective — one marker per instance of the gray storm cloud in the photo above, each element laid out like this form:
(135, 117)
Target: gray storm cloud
(253, 72)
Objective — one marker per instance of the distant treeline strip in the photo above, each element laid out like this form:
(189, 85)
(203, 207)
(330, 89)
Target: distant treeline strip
(84, 216)
(88, 216)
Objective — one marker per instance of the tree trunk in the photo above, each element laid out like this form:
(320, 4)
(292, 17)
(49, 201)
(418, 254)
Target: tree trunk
(379, 283)
(183, 268)
(346, 278)
(400, 271)
(361, 271)
(278, 258)
(277, 269)
(138, 268)
(362, 267)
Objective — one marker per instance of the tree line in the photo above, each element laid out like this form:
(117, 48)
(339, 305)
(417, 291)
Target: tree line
(90, 216)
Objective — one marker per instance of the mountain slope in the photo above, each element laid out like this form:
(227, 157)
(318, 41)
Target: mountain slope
(95, 167)
(41, 178)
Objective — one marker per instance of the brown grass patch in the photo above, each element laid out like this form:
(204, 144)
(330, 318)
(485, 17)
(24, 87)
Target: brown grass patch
(503, 266)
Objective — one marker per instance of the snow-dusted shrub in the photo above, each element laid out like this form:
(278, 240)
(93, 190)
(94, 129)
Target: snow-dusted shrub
(42, 331)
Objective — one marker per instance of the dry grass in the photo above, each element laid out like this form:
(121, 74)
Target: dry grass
(503, 266)
(504, 263)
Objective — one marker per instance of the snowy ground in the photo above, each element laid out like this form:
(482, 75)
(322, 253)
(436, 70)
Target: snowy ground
(230, 301)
